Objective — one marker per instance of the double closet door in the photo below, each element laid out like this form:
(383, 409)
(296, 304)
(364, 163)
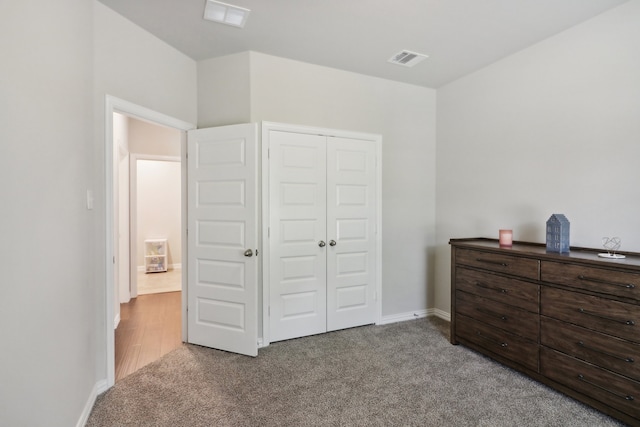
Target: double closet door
(322, 233)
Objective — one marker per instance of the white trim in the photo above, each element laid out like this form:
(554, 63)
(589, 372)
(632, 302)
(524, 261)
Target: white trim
(116, 105)
(418, 314)
(403, 317)
(98, 388)
(178, 266)
(116, 321)
(441, 314)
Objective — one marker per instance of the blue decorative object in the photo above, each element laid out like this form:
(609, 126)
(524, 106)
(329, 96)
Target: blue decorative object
(558, 234)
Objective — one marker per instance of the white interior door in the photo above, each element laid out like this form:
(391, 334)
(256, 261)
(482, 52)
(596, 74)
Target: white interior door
(222, 229)
(297, 234)
(351, 231)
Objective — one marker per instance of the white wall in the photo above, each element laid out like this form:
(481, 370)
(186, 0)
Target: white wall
(149, 138)
(224, 92)
(159, 207)
(552, 129)
(47, 295)
(298, 93)
(133, 65)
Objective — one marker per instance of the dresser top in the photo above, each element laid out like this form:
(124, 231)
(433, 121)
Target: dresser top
(539, 250)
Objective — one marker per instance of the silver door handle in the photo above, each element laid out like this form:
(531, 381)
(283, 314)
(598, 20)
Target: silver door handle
(322, 244)
(332, 243)
(248, 252)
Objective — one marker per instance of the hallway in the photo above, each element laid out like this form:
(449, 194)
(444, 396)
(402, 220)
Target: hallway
(150, 327)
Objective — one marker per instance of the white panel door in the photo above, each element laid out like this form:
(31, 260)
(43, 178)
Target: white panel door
(351, 233)
(222, 290)
(297, 197)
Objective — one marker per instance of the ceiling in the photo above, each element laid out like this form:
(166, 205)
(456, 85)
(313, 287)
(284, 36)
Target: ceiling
(460, 36)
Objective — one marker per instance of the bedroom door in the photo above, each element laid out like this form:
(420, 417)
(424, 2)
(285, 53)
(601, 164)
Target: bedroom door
(222, 290)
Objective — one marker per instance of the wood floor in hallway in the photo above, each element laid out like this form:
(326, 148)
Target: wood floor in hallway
(150, 326)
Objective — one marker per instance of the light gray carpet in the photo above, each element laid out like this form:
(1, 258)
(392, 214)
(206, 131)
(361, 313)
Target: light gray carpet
(404, 374)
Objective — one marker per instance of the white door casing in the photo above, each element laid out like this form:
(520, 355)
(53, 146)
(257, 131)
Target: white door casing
(297, 197)
(351, 231)
(222, 229)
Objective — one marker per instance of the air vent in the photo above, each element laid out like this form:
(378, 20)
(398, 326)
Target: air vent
(407, 58)
(225, 13)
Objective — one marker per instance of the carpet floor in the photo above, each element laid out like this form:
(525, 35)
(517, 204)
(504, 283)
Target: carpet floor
(403, 374)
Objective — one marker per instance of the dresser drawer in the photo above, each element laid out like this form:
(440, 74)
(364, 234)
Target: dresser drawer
(612, 353)
(518, 266)
(611, 317)
(507, 345)
(500, 315)
(612, 389)
(499, 288)
(601, 280)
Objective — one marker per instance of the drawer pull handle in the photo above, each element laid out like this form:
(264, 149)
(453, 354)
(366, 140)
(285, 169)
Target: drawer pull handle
(624, 322)
(491, 340)
(490, 261)
(491, 313)
(606, 282)
(485, 286)
(614, 356)
(622, 396)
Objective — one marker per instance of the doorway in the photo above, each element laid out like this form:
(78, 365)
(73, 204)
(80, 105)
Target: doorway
(149, 255)
(121, 261)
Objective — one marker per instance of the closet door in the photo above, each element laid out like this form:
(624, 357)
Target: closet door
(351, 233)
(297, 234)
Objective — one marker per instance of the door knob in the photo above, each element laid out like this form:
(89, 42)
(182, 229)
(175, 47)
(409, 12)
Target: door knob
(322, 244)
(248, 252)
(332, 243)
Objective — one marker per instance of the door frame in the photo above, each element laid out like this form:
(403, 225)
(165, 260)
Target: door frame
(117, 105)
(266, 220)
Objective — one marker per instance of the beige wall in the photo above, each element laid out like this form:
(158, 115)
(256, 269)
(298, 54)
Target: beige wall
(159, 207)
(551, 129)
(47, 295)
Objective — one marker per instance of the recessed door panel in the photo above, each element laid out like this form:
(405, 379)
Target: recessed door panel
(228, 234)
(220, 314)
(352, 297)
(297, 231)
(230, 153)
(351, 195)
(354, 229)
(220, 193)
(222, 287)
(220, 273)
(352, 263)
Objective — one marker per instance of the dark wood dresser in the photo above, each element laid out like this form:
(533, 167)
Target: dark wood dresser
(570, 321)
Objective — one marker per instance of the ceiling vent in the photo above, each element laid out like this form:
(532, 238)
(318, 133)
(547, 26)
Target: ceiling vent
(225, 13)
(407, 58)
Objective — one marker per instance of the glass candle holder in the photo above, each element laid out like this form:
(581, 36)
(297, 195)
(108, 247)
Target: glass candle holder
(506, 238)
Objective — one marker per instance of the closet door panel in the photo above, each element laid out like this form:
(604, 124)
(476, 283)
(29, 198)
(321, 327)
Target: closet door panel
(297, 181)
(351, 221)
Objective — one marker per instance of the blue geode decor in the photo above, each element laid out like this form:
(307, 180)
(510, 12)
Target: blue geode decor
(558, 234)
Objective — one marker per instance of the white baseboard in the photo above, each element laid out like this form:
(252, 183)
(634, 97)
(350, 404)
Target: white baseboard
(411, 315)
(441, 314)
(99, 387)
(116, 321)
(178, 266)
